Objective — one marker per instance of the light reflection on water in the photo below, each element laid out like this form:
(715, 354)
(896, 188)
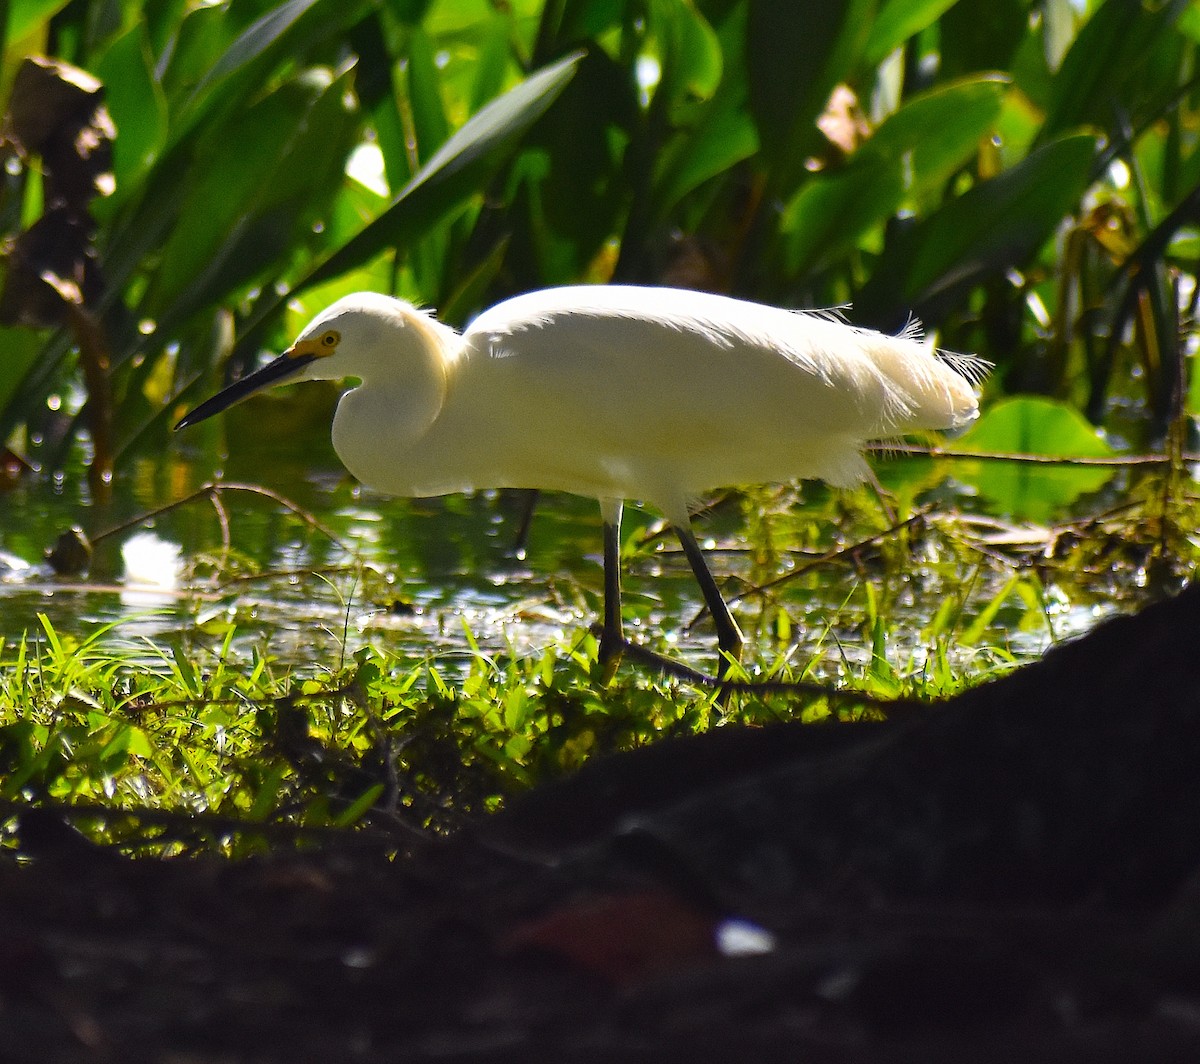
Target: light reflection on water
(414, 576)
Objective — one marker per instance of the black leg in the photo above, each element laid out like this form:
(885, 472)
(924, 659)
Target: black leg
(729, 636)
(612, 635)
(529, 501)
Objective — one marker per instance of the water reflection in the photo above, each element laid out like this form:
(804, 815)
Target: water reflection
(415, 576)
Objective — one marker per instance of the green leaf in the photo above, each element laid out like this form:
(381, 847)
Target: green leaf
(901, 161)
(897, 21)
(689, 51)
(282, 36)
(21, 348)
(269, 790)
(425, 101)
(137, 106)
(723, 136)
(270, 166)
(998, 224)
(195, 45)
(715, 135)
(1033, 425)
(359, 807)
(831, 212)
(491, 65)
(459, 169)
(24, 16)
(128, 741)
(795, 55)
(255, 41)
(936, 132)
(1114, 58)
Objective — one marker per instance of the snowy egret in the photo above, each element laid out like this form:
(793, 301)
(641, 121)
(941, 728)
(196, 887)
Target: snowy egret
(616, 392)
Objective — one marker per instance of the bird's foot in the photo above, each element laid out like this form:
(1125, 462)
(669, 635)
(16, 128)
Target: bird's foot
(608, 657)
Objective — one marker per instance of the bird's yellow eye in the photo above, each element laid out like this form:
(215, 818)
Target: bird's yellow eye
(330, 340)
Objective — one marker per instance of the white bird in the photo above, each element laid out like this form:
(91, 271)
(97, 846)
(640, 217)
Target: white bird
(616, 392)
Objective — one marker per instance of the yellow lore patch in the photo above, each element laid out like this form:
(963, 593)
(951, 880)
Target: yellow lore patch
(317, 346)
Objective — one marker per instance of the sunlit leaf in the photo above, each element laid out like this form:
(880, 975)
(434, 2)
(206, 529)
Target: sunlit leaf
(719, 134)
(690, 52)
(26, 15)
(457, 171)
(138, 109)
(356, 809)
(424, 96)
(831, 212)
(259, 37)
(899, 162)
(935, 133)
(896, 22)
(1035, 426)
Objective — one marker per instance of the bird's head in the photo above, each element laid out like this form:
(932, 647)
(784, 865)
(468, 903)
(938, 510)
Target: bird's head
(347, 339)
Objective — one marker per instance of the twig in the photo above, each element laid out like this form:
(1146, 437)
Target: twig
(1115, 461)
(212, 490)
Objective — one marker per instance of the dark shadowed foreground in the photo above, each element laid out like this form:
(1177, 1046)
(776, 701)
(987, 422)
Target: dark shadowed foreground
(1011, 877)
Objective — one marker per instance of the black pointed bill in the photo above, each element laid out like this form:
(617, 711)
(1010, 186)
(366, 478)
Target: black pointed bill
(276, 371)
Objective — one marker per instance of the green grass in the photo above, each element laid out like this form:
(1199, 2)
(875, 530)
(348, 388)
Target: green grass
(378, 740)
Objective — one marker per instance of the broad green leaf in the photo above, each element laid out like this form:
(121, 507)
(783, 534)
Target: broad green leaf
(715, 135)
(1060, 23)
(195, 46)
(282, 36)
(936, 132)
(24, 16)
(128, 740)
(458, 170)
(995, 225)
(897, 21)
(430, 128)
(137, 106)
(689, 51)
(353, 208)
(456, 20)
(901, 161)
(160, 19)
(491, 63)
(1035, 426)
(723, 135)
(1189, 22)
(795, 55)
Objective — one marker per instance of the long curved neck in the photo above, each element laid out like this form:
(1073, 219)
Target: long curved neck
(401, 394)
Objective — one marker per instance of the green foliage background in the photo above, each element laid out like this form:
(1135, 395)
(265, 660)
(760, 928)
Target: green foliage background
(1023, 176)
